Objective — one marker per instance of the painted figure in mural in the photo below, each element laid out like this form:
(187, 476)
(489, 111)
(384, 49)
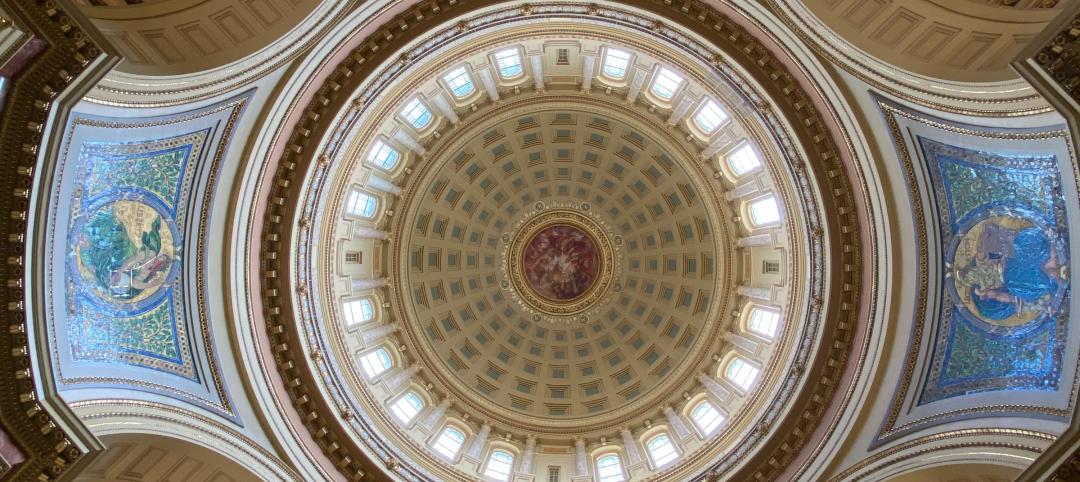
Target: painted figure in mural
(1007, 270)
(561, 262)
(125, 251)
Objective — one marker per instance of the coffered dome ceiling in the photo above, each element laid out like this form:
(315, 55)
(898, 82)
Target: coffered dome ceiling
(487, 250)
(551, 237)
(507, 241)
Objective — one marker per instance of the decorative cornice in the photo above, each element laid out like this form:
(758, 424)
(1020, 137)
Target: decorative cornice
(44, 90)
(122, 413)
(1060, 58)
(1009, 100)
(1052, 65)
(976, 438)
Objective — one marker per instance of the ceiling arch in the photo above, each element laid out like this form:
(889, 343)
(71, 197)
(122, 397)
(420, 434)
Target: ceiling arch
(157, 458)
(175, 37)
(928, 52)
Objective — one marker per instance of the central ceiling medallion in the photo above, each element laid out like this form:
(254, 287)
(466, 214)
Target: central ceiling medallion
(560, 262)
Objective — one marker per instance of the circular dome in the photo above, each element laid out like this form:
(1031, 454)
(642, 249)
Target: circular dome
(489, 256)
(530, 239)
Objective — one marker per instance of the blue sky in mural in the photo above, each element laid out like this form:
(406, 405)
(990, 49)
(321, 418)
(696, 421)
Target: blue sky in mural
(1003, 226)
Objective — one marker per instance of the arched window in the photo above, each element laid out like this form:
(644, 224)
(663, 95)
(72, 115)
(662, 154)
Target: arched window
(383, 156)
(616, 62)
(661, 450)
(666, 83)
(710, 116)
(416, 113)
(509, 62)
(764, 211)
(459, 82)
(376, 362)
(763, 322)
(609, 469)
(741, 373)
(706, 417)
(499, 465)
(449, 442)
(358, 311)
(743, 160)
(361, 204)
(407, 407)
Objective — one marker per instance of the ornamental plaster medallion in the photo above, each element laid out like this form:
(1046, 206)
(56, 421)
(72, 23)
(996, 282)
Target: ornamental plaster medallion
(559, 262)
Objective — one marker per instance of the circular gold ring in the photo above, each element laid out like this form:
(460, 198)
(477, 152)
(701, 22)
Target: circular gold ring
(515, 262)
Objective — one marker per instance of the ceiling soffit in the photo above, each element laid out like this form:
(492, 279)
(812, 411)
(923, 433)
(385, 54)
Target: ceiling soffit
(179, 37)
(927, 52)
(838, 305)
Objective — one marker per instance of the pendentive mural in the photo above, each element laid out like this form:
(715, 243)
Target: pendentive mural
(990, 323)
(1005, 236)
(128, 242)
(125, 253)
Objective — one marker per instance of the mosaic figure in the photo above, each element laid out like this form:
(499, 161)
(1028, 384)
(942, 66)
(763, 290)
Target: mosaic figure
(1005, 238)
(1007, 271)
(124, 252)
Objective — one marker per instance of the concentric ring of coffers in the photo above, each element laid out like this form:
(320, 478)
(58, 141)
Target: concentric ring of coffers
(673, 283)
(393, 133)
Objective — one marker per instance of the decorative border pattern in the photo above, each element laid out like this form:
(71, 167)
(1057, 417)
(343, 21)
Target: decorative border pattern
(1058, 58)
(92, 321)
(118, 409)
(201, 181)
(71, 57)
(1050, 327)
(862, 469)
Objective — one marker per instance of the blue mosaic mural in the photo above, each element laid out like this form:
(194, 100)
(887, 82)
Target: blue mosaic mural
(1006, 290)
(125, 250)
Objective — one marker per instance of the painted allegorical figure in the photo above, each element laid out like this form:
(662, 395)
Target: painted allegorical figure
(561, 262)
(1007, 270)
(125, 251)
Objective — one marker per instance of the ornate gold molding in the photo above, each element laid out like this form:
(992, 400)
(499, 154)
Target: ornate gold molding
(152, 412)
(514, 263)
(895, 453)
(890, 428)
(1052, 65)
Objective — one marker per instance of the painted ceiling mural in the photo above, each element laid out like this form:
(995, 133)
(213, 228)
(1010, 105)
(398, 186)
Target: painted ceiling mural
(125, 253)
(990, 332)
(1005, 235)
(561, 262)
(128, 230)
